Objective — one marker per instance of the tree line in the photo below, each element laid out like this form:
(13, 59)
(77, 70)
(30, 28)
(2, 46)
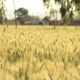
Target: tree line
(68, 9)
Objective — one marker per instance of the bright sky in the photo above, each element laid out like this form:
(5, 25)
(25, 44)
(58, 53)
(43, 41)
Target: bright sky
(35, 7)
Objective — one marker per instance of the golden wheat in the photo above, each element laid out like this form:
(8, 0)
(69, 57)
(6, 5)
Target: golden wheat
(32, 53)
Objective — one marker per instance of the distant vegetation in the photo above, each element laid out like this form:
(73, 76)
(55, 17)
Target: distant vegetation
(69, 10)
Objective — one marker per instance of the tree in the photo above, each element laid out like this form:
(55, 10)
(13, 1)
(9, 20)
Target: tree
(51, 9)
(1, 16)
(21, 15)
(66, 7)
(1, 11)
(46, 18)
(77, 5)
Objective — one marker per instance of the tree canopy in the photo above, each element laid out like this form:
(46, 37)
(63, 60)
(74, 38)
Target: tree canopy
(1, 11)
(21, 14)
(67, 7)
(1, 16)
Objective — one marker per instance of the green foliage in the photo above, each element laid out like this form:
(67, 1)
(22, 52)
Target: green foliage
(76, 1)
(46, 18)
(21, 14)
(67, 7)
(1, 15)
(71, 14)
(63, 11)
(59, 1)
(46, 1)
(66, 19)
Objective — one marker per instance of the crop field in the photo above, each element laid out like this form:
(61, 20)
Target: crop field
(39, 53)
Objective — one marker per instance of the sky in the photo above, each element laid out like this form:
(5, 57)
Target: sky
(35, 7)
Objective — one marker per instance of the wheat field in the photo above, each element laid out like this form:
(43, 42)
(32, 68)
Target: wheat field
(39, 53)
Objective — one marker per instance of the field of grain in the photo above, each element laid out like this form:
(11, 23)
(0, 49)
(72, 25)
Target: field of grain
(40, 53)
